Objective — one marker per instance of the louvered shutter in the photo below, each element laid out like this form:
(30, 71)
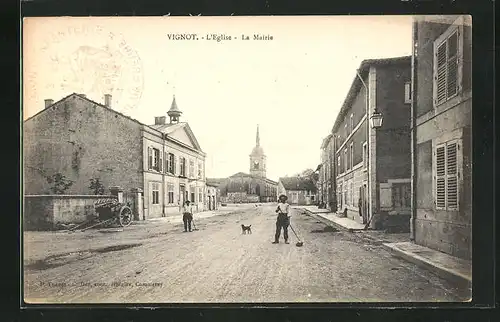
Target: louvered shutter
(440, 177)
(452, 175)
(440, 77)
(165, 158)
(160, 162)
(452, 65)
(150, 158)
(174, 164)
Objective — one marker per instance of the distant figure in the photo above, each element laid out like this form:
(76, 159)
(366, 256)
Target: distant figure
(187, 216)
(283, 220)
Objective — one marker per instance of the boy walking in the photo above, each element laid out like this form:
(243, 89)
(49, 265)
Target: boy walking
(283, 220)
(187, 216)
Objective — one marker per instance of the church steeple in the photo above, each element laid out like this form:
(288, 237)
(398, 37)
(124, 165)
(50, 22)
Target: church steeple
(258, 158)
(257, 139)
(174, 113)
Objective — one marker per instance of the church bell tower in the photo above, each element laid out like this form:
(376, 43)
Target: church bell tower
(258, 159)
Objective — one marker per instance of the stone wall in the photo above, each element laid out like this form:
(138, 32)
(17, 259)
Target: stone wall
(45, 212)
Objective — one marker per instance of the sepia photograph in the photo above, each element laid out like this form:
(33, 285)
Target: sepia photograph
(246, 159)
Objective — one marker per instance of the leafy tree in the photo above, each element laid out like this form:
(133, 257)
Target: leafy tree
(96, 186)
(59, 183)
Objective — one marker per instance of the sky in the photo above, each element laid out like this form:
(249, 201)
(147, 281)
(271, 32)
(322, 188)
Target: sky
(291, 86)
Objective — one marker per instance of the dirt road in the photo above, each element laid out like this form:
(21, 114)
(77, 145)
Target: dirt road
(155, 262)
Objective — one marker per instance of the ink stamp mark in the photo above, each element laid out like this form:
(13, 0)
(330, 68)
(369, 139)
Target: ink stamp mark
(91, 60)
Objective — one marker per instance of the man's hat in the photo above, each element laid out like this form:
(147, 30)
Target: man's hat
(283, 197)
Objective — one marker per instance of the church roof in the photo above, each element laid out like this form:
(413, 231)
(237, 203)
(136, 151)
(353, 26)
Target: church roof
(298, 183)
(215, 182)
(258, 150)
(246, 175)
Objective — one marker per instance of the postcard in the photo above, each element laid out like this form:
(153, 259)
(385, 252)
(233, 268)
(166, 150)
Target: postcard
(269, 159)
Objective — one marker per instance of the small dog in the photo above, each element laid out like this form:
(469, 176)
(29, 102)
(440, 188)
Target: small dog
(246, 229)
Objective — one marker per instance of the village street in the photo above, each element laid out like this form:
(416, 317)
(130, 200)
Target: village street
(156, 262)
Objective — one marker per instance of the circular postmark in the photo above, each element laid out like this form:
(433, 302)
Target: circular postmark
(90, 60)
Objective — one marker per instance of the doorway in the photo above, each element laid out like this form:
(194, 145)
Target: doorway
(182, 194)
(363, 194)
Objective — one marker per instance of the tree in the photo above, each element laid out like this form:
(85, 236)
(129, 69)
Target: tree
(96, 186)
(59, 183)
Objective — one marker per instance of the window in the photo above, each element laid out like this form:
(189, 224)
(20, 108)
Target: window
(346, 162)
(365, 154)
(312, 197)
(200, 170)
(351, 155)
(447, 55)
(338, 164)
(200, 194)
(191, 168)
(407, 92)
(352, 123)
(170, 167)
(351, 190)
(345, 194)
(340, 196)
(154, 159)
(183, 167)
(446, 175)
(192, 194)
(150, 158)
(155, 188)
(345, 129)
(170, 189)
(401, 195)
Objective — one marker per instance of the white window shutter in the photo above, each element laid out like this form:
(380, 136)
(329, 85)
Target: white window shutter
(160, 161)
(452, 65)
(150, 158)
(452, 175)
(440, 177)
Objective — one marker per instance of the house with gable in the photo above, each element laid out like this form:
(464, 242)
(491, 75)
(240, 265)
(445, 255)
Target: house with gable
(300, 190)
(83, 140)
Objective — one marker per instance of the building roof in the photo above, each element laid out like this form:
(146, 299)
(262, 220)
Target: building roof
(298, 183)
(363, 70)
(174, 110)
(325, 141)
(246, 175)
(214, 182)
(163, 128)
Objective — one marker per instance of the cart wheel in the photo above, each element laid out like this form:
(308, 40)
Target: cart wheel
(125, 216)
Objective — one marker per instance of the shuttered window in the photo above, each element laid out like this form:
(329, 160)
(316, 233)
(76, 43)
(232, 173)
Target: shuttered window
(160, 163)
(447, 53)
(447, 160)
(165, 160)
(150, 158)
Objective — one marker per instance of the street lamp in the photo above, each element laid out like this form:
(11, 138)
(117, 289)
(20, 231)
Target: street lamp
(376, 119)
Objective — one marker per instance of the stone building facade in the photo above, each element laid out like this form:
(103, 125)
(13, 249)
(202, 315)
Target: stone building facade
(327, 197)
(373, 166)
(441, 150)
(81, 140)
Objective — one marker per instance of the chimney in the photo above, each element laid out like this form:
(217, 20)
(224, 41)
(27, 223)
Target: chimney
(107, 100)
(160, 120)
(48, 102)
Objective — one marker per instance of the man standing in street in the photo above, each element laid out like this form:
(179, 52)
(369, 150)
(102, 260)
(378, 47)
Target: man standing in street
(283, 220)
(187, 216)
